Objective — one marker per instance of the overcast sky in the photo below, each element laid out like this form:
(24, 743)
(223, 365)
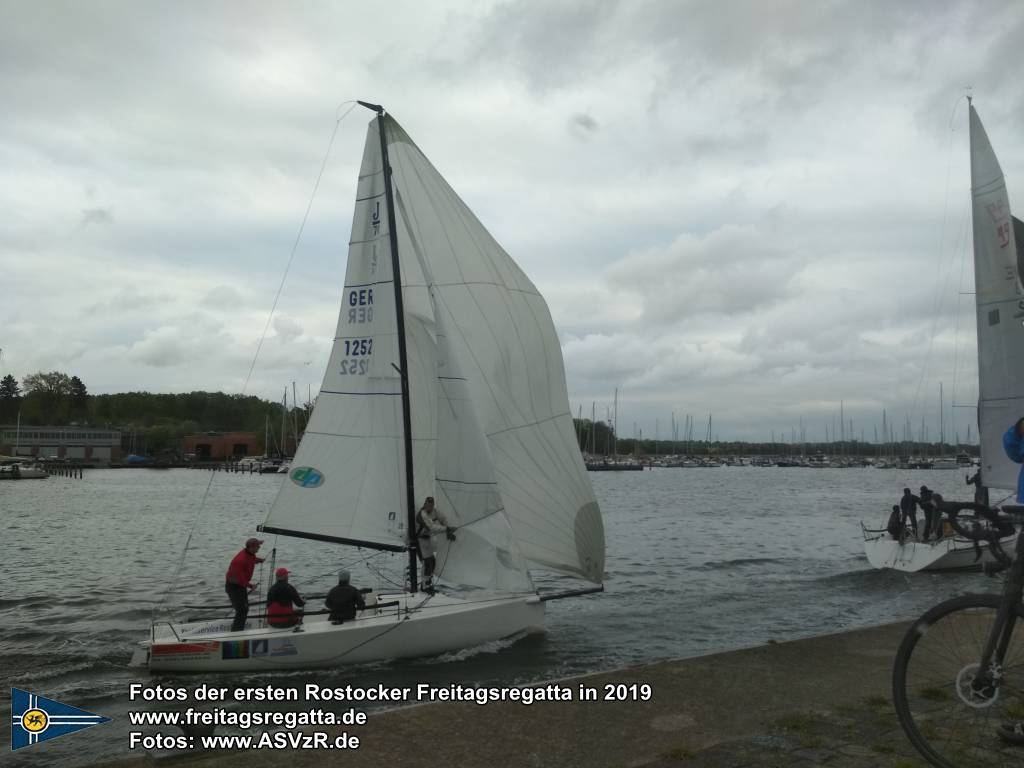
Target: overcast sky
(756, 210)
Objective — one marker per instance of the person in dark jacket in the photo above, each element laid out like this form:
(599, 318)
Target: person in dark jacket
(895, 525)
(238, 581)
(343, 600)
(281, 601)
(908, 509)
(980, 491)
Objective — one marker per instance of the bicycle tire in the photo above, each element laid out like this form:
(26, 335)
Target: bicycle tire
(931, 691)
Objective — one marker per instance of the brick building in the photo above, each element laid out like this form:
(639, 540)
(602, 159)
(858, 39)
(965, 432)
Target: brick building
(208, 446)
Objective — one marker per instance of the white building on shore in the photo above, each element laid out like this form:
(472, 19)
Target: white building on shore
(86, 445)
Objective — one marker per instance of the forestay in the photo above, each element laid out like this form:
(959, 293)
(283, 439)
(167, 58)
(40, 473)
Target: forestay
(1000, 310)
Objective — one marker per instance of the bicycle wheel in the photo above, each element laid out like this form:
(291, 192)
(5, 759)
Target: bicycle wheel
(948, 722)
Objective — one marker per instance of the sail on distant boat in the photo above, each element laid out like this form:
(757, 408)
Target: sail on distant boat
(998, 296)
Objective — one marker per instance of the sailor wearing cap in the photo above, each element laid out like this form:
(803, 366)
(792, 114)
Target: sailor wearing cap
(281, 599)
(238, 581)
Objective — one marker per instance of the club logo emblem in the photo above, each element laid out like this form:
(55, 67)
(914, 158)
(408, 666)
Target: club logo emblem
(36, 718)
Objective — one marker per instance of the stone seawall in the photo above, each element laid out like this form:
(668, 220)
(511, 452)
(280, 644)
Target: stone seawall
(823, 700)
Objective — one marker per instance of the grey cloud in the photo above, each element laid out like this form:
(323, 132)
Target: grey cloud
(96, 216)
(581, 126)
(735, 208)
(730, 271)
(287, 329)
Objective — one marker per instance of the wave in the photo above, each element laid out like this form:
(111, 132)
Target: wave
(863, 577)
(493, 646)
(718, 565)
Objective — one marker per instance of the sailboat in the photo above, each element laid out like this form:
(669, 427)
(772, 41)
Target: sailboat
(445, 379)
(999, 303)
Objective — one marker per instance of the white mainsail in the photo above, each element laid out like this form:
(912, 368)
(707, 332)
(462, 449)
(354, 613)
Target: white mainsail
(999, 300)
(492, 433)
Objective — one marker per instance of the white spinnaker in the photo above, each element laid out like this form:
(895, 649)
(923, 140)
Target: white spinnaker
(1000, 311)
(485, 553)
(354, 437)
(504, 342)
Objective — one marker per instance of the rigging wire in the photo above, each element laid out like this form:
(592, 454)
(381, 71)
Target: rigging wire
(943, 276)
(277, 296)
(298, 237)
(961, 246)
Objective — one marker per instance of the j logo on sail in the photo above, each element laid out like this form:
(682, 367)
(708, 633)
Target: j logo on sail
(307, 477)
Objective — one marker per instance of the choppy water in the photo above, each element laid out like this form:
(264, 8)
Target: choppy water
(699, 560)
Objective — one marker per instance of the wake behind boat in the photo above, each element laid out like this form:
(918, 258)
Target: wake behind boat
(998, 256)
(446, 379)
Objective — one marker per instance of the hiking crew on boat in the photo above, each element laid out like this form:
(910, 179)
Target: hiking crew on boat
(281, 601)
(344, 599)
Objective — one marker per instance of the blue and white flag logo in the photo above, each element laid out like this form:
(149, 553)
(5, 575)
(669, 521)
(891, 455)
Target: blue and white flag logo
(36, 718)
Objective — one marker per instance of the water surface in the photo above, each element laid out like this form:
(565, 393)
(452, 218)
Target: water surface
(699, 560)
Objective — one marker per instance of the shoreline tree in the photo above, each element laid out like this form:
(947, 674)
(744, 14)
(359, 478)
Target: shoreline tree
(10, 398)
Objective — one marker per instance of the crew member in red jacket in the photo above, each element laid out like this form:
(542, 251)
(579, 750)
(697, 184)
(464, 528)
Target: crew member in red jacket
(280, 599)
(238, 581)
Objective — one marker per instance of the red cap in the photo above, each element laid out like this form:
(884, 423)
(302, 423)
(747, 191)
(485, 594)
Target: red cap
(254, 540)
(281, 573)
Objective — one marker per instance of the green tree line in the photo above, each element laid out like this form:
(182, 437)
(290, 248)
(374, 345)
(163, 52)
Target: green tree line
(156, 421)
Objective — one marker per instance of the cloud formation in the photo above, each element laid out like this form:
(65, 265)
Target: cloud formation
(755, 210)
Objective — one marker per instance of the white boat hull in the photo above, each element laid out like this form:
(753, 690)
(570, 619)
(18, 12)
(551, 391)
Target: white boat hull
(420, 625)
(946, 554)
(24, 472)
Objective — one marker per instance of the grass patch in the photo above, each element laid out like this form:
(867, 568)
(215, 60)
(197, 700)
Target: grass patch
(679, 753)
(798, 722)
(934, 694)
(883, 749)
(808, 741)
(877, 702)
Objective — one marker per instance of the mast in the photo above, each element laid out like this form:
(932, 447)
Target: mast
(615, 426)
(942, 424)
(403, 364)
(593, 428)
(284, 425)
(295, 415)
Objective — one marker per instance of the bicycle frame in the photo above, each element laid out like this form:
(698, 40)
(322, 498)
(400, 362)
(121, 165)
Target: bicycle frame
(1006, 618)
(987, 681)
